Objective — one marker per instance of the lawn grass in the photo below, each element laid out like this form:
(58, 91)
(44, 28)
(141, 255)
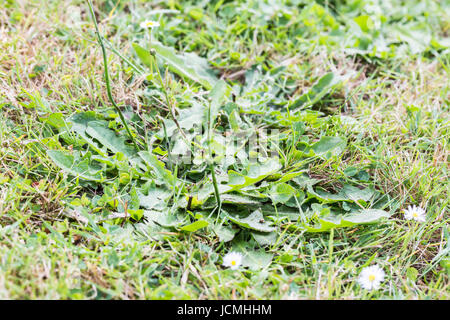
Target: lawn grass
(392, 109)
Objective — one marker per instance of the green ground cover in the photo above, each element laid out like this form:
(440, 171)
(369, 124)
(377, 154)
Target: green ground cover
(293, 132)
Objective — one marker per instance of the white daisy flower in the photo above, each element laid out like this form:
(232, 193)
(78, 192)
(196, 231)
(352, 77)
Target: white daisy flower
(371, 277)
(232, 260)
(149, 24)
(415, 213)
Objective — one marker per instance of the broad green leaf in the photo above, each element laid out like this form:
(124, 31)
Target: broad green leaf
(326, 197)
(238, 199)
(281, 212)
(143, 54)
(108, 138)
(364, 22)
(412, 273)
(265, 238)
(155, 199)
(347, 193)
(235, 120)
(136, 214)
(217, 95)
(101, 139)
(256, 173)
(196, 13)
(351, 171)
(165, 219)
(327, 147)
(150, 230)
(76, 167)
(366, 216)
(356, 194)
(225, 233)
(187, 65)
(56, 120)
(188, 119)
(195, 226)
(289, 176)
(304, 181)
(281, 193)
(299, 128)
(80, 122)
(231, 199)
(257, 260)
(254, 221)
(158, 167)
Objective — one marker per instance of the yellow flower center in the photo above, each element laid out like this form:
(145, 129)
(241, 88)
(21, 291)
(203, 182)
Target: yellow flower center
(151, 24)
(233, 262)
(415, 214)
(371, 277)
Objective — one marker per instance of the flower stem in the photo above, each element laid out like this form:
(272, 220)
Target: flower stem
(108, 86)
(211, 161)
